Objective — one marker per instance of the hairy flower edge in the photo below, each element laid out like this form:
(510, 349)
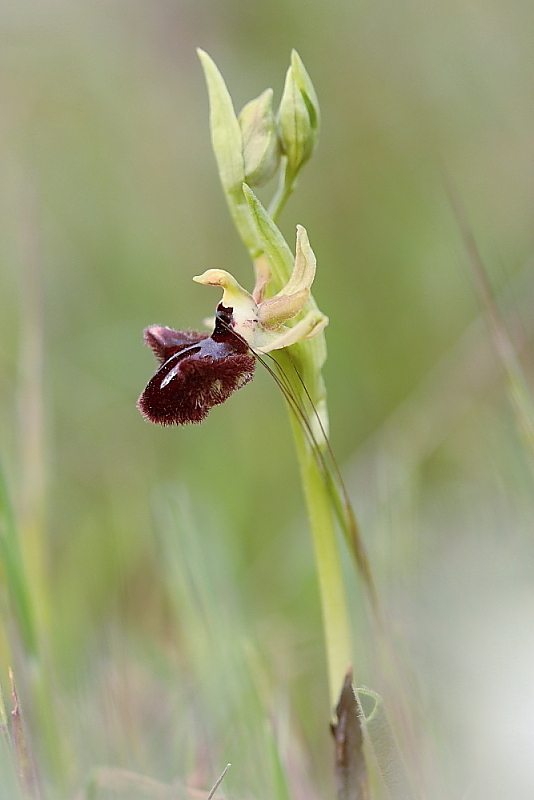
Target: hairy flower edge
(197, 371)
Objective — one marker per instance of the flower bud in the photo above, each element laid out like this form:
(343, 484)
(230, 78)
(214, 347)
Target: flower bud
(261, 148)
(298, 115)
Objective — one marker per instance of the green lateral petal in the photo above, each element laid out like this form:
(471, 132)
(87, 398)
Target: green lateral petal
(278, 309)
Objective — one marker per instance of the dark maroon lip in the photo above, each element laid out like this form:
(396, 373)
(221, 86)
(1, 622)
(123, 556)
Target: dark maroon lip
(197, 371)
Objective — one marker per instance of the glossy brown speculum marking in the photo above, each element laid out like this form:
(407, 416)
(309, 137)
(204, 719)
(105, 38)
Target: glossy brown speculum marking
(197, 371)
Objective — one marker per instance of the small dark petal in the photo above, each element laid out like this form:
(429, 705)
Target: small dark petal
(196, 378)
(165, 342)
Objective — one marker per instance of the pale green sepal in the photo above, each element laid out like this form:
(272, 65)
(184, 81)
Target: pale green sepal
(227, 143)
(305, 264)
(261, 147)
(383, 745)
(271, 240)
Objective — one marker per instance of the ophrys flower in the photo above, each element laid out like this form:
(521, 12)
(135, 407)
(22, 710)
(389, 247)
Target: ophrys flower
(198, 370)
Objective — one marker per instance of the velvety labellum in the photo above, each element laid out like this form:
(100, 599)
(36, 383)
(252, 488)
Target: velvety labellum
(197, 371)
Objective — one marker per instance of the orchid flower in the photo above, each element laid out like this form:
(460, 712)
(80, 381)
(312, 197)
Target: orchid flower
(198, 370)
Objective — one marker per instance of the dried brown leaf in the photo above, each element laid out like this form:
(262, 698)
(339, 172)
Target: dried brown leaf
(350, 769)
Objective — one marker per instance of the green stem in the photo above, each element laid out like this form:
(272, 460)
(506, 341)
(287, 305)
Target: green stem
(286, 184)
(306, 387)
(328, 565)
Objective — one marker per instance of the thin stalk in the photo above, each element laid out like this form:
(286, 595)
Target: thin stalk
(327, 563)
(286, 184)
(518, 391)
(320, 512)
(323, 502)
(305, 394)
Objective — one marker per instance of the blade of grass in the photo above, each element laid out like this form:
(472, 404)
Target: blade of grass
(442, 398)
(382, 743)
(8, 774)
(31, 489)
(37, 677)
(14, 573)
(26, 767)
(518, 392)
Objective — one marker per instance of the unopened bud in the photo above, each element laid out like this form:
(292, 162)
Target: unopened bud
(298, 115)
(261, 148)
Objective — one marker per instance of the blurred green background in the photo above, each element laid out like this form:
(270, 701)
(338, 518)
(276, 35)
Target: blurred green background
(172, 567)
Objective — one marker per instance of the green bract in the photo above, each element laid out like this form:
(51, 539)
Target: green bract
(227, 142)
